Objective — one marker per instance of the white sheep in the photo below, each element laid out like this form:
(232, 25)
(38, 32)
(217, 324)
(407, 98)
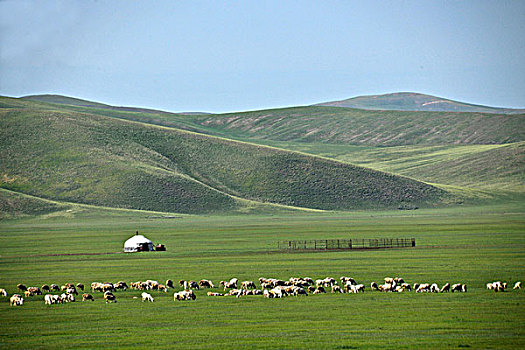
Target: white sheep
(146, 297)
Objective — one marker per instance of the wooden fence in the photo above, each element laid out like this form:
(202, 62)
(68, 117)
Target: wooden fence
(347, 244)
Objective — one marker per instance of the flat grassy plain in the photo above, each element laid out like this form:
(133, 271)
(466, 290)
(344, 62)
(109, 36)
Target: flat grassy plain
(472, 245)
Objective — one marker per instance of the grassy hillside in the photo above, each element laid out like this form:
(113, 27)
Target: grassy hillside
(85, 158)
(410, 101)
(331, 125)
(496, 168)
(371, 128)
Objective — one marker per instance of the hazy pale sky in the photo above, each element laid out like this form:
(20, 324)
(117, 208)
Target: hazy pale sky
(219, 56)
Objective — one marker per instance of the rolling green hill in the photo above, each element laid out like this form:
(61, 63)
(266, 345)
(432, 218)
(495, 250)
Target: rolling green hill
(93, 159)
(372, 128)
(410, 101)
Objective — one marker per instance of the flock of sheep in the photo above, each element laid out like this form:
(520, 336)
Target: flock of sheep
(270, 288)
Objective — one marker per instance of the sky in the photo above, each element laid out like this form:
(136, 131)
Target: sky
(225, 56)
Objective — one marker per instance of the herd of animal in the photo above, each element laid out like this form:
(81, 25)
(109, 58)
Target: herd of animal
(270, 288)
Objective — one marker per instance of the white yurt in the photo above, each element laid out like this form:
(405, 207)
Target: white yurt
(138, 243)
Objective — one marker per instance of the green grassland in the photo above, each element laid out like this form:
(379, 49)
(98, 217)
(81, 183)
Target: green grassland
(473, 245)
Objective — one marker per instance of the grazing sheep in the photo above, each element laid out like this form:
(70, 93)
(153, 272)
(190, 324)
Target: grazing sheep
(45, 288)
(374, 286)
(389, 280)
(458, 287)
(48, 299)
(54, 287)
(162, 288)
(319, 290)
(206, 284)
(434, 288)
(169, 284)
(109, 297)
(16, 300)
(229, 284)
(336, 289)
(67, 297)
(445, 288)
(399, 280)
(71, 290)
(3, 292)
(406, 286)
(86, 297)
(213, 294)
(21, 287)
(345, 280)
(248, 285)
(387, 287)
(80, 286)
(355, 289)
(146, 297)
(423, 287)
(184, 295)
(121, 285)
(517, 285)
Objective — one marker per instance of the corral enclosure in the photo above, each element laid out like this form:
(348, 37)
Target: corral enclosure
(347, 244)
(471, 246)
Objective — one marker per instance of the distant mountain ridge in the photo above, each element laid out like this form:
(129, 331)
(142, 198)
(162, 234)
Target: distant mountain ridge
(411, 101)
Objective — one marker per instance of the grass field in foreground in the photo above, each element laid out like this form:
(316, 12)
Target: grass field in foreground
(471, 245)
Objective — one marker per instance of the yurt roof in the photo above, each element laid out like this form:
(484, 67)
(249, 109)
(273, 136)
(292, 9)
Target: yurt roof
(138, 239)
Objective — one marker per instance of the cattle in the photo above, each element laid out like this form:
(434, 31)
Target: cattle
(184, 295)
(109, 297)
(206, 284)
(86, 297)
(16, 300)
(445, 288)
(517, 285)
(146, 297)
